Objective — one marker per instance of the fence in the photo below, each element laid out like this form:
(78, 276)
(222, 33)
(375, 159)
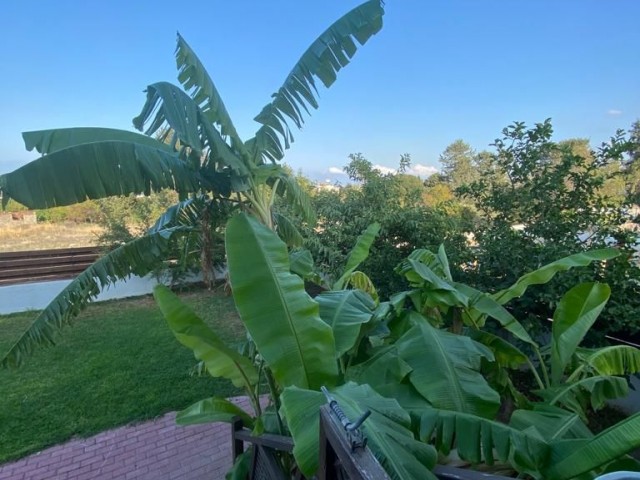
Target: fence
(45, 265)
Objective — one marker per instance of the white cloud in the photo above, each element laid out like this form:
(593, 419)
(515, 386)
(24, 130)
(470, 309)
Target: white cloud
(613, 112)
(419, 170)
(336, 171)
(423, 171)
(384, 170)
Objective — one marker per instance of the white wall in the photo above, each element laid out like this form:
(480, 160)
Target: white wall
(37, 295)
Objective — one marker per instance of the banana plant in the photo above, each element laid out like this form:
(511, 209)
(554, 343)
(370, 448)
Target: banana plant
(576, 379)
(190, 145)
(296, 352)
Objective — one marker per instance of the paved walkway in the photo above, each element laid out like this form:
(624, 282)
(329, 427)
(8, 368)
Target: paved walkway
(158, 449)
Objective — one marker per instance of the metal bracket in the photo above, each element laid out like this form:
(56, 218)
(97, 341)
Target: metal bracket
(352, 429)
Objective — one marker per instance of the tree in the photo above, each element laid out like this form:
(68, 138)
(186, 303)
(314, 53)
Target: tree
(541, 200)
(458, 164)
(395, 202)
(199, 155)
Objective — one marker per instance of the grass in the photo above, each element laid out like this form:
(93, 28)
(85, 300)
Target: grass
(118, 364)
(42, 236)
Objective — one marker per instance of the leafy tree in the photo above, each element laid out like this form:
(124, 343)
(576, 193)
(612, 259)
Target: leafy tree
(395, 202)
(542, 200)
(458, 164)
(198, 154)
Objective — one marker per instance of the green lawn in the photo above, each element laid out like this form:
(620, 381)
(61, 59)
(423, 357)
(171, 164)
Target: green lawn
(117, 364)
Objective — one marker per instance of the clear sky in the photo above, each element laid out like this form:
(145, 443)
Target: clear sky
(439, 70)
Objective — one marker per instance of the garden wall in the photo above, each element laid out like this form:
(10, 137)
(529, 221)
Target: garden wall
(37, 295)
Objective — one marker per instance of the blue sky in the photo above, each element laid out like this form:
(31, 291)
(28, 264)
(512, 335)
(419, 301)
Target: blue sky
(439, 70)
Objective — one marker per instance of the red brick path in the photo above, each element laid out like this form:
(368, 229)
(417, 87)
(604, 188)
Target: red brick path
(158, 449)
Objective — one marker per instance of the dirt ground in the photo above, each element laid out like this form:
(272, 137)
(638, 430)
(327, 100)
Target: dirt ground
(43, 236)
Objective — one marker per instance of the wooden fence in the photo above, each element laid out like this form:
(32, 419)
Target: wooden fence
(44, 265)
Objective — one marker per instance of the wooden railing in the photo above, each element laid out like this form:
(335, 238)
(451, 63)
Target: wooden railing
(44, 265)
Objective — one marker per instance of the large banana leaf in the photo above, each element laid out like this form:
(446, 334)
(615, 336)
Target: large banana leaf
(194, 78)
(481, 304)
(192, 332)
(97, 170)
(331, 51)
(576, 313)
(212, 410)
(358, 254)
(569, 459)
(613, 360)
(168, 106)
(345, 311)
(599, 389)
(289, 189)
(546, 273)
(50, 141)
(387, 430)
(479, 440)
(551, 423)
(138, 257)
(446, 370)
(282, 319)
(505, 354)
(438, 290)
(382, 372)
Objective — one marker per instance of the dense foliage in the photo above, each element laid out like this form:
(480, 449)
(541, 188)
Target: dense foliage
(395, 202)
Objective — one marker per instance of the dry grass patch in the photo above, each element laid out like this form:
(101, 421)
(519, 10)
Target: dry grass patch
(44, 236)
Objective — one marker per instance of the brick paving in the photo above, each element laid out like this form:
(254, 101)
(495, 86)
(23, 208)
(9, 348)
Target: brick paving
(158, 449)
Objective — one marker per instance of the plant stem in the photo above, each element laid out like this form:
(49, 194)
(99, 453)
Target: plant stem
(543, 367)
(273, 389)
(535, 374)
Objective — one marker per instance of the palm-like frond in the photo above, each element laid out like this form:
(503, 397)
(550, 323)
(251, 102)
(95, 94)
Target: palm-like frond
(138, 257)
(168, 106)
(50, 141)
(97, 170)
(195, 79)
(326, 56)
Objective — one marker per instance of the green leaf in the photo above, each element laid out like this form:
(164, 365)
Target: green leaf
(282, 319)
(50, 141)
(387, 430)
(301, 262)
(576, 313)
(546, 273)
(361, 281)
(444, 261)
(384, 370)
(195, 79)
(551, 423)
(358, 254)
(435, 286)
(138, 257)
(212, 410)
(345, 311)
(97, 170)
(505, 354)
(483, 304)
(600, 389)
(613, 360)
(570, 459)
(289, 189)
(327, 55)
(287, 231)
(174, 112)
(446, 370)
(241, 466)
(193, 333)
(479, 440)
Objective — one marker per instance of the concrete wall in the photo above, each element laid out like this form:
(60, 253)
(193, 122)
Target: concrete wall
(37, 295)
